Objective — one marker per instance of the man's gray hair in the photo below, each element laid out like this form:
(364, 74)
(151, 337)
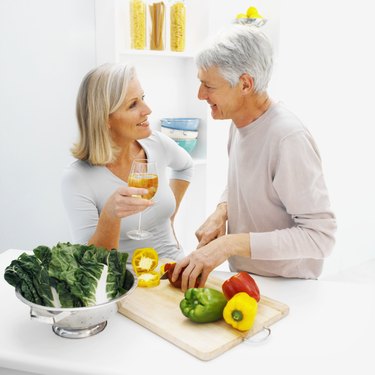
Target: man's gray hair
(237, 50)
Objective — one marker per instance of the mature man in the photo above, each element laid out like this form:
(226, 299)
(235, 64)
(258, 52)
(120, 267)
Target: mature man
(274, 218)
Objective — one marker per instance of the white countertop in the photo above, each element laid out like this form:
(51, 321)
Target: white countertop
(329, 329)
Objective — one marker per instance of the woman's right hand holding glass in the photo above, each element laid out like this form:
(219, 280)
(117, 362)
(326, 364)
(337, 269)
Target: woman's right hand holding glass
(126, 201)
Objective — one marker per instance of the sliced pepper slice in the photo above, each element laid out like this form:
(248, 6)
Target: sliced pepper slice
(144, 260)
(241, 282)
(148, 279)
(240, 311)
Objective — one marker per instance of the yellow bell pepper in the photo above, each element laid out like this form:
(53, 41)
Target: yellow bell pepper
(144, 260)
(240, 311)
(148, 279)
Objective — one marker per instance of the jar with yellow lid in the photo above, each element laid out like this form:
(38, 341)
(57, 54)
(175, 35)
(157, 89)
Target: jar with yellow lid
(177, 25)
(137, 24)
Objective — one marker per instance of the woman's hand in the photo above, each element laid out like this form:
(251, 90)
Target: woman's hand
(124, 202)
(214, 227)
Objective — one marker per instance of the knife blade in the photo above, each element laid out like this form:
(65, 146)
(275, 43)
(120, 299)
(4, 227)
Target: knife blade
(164, 276)
(164, 270)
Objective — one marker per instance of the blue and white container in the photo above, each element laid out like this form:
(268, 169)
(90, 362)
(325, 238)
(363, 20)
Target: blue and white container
(181, 123)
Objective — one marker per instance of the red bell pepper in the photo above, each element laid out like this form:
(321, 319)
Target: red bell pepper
(169, 268)
(241, 282)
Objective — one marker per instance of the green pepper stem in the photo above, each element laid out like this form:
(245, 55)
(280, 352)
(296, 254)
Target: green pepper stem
(237, 315)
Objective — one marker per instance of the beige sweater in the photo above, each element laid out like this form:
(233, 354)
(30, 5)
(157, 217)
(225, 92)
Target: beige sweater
(276, 192)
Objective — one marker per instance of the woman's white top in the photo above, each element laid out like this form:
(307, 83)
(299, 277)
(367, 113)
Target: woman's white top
(86, 188)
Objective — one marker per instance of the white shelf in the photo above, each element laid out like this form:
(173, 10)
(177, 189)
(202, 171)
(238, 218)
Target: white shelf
(200, 161)
(169, 80)
(146, 52)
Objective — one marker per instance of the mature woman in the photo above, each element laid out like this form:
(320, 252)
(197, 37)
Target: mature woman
(114, 130)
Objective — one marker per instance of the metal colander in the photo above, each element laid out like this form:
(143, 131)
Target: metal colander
(76, 322)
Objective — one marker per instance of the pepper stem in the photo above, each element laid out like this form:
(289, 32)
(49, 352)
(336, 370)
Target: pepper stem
(237, 315)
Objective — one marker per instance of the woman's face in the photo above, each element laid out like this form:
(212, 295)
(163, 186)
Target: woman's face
(129, 121)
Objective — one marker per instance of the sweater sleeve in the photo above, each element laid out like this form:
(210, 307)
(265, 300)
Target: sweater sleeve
(300, 185)
(179, 160)
(224, 195)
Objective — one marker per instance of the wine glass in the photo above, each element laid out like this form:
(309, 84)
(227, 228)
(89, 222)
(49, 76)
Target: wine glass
(143, 174)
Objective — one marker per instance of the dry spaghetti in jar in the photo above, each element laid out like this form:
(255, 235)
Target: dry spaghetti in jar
(157, 12)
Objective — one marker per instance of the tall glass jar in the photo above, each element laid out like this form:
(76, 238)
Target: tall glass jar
(137, 24)
(178, 25)
(157, 12)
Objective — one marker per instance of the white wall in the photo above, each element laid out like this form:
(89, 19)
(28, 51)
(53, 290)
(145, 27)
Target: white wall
(217, 131)
(324, 73)
(46, 46)
(327, 76)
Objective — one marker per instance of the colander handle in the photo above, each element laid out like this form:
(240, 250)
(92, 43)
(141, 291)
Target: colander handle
(48, 317)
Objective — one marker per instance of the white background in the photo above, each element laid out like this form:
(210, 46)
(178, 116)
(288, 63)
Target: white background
(46, 47)
(327, 60)
(324, 73)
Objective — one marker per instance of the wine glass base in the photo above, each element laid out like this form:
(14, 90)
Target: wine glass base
(139, 234)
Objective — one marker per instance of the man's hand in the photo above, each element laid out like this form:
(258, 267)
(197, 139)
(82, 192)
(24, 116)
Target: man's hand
(205, 259)
(214, 227)
(200, 263)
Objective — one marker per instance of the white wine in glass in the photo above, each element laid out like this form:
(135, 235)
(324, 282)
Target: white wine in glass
(143, 174)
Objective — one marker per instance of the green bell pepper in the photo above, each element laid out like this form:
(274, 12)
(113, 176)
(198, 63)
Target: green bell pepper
(203, 305)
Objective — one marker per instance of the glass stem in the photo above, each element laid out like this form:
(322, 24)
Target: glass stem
(139, 221)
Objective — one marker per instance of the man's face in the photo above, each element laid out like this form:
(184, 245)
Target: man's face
(225, 101)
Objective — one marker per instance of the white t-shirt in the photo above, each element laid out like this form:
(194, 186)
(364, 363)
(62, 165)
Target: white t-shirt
(277, 193)
(86, 188)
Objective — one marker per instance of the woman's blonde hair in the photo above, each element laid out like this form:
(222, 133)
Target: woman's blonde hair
(101, 93)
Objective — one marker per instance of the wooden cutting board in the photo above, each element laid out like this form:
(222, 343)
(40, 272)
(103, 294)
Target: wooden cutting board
(158, 310)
